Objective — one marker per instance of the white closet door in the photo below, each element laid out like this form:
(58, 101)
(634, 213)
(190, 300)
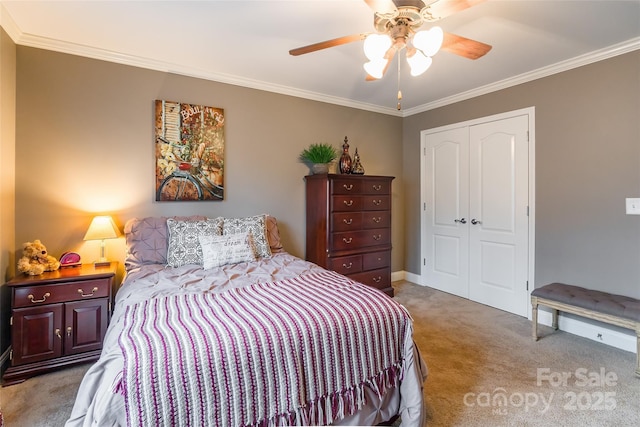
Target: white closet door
(447, 194)
(498, 220)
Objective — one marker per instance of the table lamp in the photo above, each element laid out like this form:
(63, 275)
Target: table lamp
(101, 228)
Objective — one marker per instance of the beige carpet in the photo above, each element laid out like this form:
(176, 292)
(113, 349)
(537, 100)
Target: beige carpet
(475, 356)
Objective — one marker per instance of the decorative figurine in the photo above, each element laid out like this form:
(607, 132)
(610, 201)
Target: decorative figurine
(345, 159)
(357, 168)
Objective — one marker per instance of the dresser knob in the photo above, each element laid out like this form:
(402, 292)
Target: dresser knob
(68, 331)
(58, 333)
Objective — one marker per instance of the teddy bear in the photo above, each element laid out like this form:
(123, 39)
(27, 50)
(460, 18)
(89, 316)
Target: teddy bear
(35, 259)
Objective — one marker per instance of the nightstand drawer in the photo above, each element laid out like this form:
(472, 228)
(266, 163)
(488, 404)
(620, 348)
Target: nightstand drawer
(30, 296)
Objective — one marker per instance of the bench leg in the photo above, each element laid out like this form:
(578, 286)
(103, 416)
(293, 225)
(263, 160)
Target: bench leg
(554, 317)
(534, 317)
(638, 350)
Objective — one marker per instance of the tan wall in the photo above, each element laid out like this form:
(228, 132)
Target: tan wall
(587, 163)
(7, 177)
(85, 145)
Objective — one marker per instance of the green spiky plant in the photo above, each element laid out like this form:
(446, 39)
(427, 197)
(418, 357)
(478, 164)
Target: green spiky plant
(319, 153)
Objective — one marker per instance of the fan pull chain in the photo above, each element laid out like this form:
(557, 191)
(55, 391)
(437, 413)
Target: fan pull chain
(399, 91)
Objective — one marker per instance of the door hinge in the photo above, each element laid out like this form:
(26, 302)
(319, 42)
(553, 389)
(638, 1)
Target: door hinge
(424, 206)
(11, 354)
(527, 285)
(527, 210)
(424, 261)
(527, 136)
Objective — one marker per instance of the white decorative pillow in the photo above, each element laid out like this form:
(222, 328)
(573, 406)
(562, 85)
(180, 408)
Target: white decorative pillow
(229, 249)
(257, 225)
(184, 245)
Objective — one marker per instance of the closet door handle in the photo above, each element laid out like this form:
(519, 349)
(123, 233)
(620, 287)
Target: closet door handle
(475, 221)
(461, 220)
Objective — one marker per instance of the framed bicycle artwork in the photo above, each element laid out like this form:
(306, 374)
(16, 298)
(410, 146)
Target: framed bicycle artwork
(189, 150)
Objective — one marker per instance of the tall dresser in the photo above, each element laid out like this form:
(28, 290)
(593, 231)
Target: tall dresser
(349, 226)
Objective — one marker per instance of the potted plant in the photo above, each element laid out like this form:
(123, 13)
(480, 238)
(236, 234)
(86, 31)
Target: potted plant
(319, 156)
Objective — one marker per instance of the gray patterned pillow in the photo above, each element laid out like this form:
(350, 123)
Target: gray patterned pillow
(184, 243)
(257, 225)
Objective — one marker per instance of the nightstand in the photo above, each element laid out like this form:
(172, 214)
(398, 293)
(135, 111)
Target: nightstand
(58, 318)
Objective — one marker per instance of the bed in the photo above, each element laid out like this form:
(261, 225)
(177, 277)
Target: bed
(216, 324)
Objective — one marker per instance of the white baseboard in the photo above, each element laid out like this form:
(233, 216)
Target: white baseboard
(624, 339)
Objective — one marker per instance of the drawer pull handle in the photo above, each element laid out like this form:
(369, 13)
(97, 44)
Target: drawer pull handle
(377, 279)
(348, 221)
(58, 333)
(35, 301)
(377, 236)
(377, 219)
(68, 331)
(347, 266)
(377, 187)
(349, 203)
(377, 202)
(93, 291)
(348, 187)
(344, 239)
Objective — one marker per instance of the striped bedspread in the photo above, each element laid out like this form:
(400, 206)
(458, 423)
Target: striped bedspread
(292, 352)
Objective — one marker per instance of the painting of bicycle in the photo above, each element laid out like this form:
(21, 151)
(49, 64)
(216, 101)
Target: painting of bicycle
(189, 152)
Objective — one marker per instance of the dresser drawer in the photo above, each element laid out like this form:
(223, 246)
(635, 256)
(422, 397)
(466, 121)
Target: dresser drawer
(346, 221)
(376, 219)
(347, 203)
(376, 203)
(359, 239)
(382, 186)
(375, 260)
(379, 279)
(30, 296)
(346, 264)
(346, 186)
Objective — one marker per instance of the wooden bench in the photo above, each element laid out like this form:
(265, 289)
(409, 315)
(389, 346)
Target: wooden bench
(602, 306)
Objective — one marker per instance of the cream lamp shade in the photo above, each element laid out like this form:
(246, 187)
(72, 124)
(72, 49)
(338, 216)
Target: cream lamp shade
(101, 228)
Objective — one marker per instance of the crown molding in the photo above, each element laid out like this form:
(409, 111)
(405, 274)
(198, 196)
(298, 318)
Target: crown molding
(20, 38)
(578, 61)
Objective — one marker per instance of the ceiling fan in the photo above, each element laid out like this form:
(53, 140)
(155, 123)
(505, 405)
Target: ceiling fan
(397, 24)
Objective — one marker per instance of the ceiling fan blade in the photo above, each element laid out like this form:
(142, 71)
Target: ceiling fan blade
(464, 47)
(443, 8)
(327, 44)
(381, 6)
(389, 56)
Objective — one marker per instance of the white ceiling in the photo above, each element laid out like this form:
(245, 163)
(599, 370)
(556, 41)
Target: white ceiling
(247, 43)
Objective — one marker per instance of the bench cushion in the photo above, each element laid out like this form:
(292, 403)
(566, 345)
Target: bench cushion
(602, 302)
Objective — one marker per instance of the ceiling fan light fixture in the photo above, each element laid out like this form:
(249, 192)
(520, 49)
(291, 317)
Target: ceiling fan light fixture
(376, 46)
(429, 42)
(418, 63)
(375, 68)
